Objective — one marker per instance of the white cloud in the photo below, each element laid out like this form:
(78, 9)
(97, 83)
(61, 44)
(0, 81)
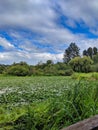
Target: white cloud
(6, 44)
(31, 58)
(85, 43)
(26, 13)
(41, 18)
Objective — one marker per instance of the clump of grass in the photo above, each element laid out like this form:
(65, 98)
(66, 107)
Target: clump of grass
(94, 75)
(86, 76)
(76, 104)
(80, 76)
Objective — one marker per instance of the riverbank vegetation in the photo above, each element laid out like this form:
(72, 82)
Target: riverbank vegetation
(41, 103)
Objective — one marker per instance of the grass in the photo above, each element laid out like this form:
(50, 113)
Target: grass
(80, 76)
(42, 103)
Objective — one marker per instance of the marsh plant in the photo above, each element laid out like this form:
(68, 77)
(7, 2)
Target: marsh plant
(42, 103)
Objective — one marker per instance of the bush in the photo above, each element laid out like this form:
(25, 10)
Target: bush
(18, 70)
(67, 72)
(94, 76)
(94, 68)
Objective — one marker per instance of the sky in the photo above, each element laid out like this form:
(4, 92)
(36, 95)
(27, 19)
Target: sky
(40, 30)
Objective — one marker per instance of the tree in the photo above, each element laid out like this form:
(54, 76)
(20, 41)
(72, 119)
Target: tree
(75, 64)
(3, 68)
(79, 64)
(95, 58)
(86, 63)
(71, 52)
(85, 53)
(90, 52)
(49, 62)
(95, 51)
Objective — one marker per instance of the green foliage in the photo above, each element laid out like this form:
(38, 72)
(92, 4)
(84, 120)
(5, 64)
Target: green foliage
(18, 69)
(86, 63)
(79, 76)
(79, 64)
(3, 68)
(51, 69)
(94, 68)
(67, 72)
(90, 52)
(71, 52)
(46, 103)
(49, 62)
(95, 58)
(85, 53)
(72, 61)
(95, 50)
(75, 64)
(95, 76)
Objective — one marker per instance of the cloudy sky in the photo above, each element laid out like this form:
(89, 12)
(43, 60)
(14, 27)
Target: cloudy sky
(38, 30)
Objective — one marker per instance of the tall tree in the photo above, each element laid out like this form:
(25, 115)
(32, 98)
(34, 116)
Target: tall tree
(85, 53)
(90, 52)
(71, 52)
(95, 51)
(49, 62)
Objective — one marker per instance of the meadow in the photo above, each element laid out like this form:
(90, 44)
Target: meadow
(47, 102)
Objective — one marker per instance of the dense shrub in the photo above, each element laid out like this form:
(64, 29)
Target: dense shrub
(18, 70)
(94, 76)
(3, 68)
(94, 68)
(67, 72)
(50, 69)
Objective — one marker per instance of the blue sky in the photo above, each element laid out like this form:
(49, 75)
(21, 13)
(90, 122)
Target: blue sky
(38, 30)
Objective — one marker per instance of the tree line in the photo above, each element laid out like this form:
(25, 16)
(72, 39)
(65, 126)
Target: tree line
(87, 62)
(73, 61)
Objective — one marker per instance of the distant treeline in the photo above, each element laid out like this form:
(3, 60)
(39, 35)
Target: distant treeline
(48, 68)
(72, 62)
